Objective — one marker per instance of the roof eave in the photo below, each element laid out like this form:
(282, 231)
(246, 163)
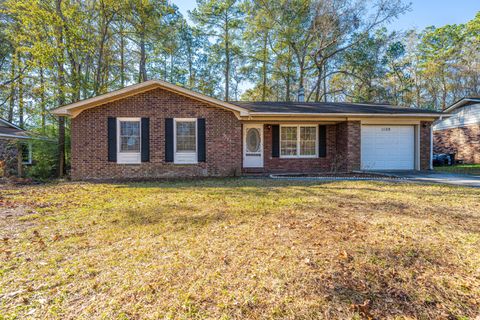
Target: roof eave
(72, 110)
(11, 124)
(336, 115)
(461, 103)
(3, 135)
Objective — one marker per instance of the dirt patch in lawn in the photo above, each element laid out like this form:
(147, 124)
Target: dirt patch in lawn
(241, 249)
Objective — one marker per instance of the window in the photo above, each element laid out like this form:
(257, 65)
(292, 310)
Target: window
(298, 141)
(185, 141)
(288, 141)
(129, 140)
(26, 153)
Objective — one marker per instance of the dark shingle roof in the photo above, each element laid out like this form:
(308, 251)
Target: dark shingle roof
(329, 107)
(12, 132)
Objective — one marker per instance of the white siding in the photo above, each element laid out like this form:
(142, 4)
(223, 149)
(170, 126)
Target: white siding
(461, 117)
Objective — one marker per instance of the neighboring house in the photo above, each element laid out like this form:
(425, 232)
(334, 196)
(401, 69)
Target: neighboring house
(155, 129)
(12, 140)
(460, 133)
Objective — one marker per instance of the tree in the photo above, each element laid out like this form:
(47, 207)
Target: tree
(439, 50)
(220, 20)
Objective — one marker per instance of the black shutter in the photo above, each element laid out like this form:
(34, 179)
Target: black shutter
(145, 140)
(112, 139)
(275, 141)
(322, 141)
(168, 139)
(201, 152)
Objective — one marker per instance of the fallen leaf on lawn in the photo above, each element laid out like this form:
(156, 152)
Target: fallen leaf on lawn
(345, 256)
(363, 309)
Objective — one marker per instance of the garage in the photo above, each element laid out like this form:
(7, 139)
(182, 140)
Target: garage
(388, 147)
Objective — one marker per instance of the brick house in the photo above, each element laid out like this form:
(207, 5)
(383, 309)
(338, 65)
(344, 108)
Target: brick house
(158, 130)
(460, 133)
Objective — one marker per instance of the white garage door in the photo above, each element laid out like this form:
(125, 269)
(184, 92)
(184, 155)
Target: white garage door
(388, 147)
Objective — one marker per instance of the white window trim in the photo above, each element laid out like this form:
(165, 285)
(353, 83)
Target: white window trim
(129, 157)
(298, 156)
(193, 155)
(29, 161)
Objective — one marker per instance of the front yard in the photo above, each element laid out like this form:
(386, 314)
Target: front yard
(239, 249)
(473, 169)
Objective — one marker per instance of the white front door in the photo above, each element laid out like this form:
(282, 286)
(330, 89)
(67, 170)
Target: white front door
(388, 147)
(253, 146)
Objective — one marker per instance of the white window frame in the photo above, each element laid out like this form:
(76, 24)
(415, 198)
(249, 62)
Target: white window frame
(185, 157)
(129, 157)
(298, 156)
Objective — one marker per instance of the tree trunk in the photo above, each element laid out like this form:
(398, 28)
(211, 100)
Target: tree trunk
(61, 93)
(190, 66)
(12, 89)
(42, 101)
(318, 83)
(100, 65)
(227, 59)
(287, 82)
(122, 56)
(171, 68)
(264, 67)
(325, 97)
(287, 85)
(21, 101)
(444, 92)
(143, 59)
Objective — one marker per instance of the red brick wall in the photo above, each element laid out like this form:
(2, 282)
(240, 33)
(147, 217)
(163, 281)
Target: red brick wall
(464, 141)
(343, 152)
(223, 142)
(89, 138)
(278, 165)
(348, 149)
(425, 136)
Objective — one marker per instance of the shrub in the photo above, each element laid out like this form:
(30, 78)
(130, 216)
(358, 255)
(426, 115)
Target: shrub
(44, 154)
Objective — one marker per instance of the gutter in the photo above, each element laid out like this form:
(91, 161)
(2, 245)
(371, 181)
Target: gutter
(14, 136)
(436, 115)
(2, 135)
(460, 104)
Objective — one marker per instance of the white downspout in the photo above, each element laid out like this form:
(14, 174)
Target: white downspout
(431, 147)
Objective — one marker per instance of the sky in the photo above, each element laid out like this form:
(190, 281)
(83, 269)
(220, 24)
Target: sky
(423, 13)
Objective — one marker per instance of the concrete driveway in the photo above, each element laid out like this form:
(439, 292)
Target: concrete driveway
(440, 177)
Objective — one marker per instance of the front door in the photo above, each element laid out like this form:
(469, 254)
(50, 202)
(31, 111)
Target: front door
(253, 146)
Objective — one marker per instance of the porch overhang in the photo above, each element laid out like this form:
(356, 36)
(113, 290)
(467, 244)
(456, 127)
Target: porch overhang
(336, 118)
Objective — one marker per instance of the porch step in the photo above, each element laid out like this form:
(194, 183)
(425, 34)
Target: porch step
(254, 171)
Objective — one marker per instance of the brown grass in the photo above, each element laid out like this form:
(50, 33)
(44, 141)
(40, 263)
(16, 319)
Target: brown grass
(240, 249)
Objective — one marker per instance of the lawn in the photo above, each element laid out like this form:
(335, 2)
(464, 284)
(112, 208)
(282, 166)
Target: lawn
(239, 249)
(460, 168)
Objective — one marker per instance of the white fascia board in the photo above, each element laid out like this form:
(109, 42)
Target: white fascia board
(460, 104)
(418, 115)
